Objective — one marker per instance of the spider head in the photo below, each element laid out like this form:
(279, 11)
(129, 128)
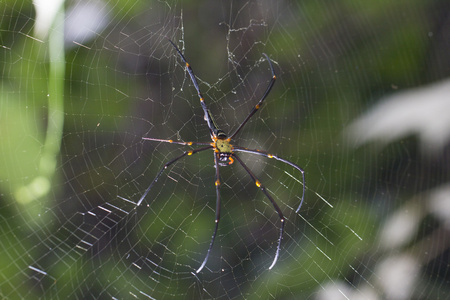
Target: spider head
(224, 151)
(224, 159)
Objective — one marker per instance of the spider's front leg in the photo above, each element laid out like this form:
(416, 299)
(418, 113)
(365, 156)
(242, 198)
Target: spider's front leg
(166, 165)
(268, 155)
(217, 219)
(275, 205)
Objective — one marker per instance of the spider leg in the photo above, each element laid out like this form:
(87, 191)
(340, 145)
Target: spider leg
(217, 183)
(190, 152)
(268, 155)
(258, 106)
(175, 142)
(275, 205)
(211, 124)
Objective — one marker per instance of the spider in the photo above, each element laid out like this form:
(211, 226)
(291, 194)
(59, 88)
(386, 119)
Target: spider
(225, 155)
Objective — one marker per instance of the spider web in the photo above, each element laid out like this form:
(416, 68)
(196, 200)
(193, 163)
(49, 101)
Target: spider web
(74, 163)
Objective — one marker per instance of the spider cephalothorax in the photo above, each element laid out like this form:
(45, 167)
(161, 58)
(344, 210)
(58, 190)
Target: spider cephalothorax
(224, 151)
(224, 155)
